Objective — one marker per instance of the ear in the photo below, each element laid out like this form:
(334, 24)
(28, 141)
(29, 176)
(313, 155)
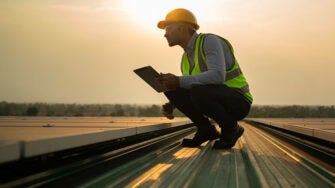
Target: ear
(183, 28)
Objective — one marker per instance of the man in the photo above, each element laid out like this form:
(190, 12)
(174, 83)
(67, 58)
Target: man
(212, 85)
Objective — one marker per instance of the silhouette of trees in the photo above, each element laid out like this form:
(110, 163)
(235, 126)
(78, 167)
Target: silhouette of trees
(150, 111)
(45, 109)
(118, 111)
(293, 111)
(32, 111)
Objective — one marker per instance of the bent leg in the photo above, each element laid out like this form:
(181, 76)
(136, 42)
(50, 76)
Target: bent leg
(226, 107)
(221, 103)
(180, 98)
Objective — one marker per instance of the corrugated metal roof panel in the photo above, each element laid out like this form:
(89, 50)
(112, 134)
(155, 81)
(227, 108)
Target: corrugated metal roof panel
(257, 160)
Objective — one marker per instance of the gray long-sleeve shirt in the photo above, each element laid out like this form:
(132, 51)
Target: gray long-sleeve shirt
(218, 59)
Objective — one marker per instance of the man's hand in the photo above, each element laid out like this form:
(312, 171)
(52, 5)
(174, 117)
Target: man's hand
(169, 81)
(167, 110)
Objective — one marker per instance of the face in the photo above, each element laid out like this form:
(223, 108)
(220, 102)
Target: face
(173, 34)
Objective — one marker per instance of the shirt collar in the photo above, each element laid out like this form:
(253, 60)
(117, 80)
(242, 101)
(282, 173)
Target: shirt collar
(191, 43)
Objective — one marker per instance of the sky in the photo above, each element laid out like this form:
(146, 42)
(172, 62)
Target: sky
(83, 51)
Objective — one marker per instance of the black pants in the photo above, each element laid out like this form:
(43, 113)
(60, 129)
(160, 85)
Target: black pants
(219, 102)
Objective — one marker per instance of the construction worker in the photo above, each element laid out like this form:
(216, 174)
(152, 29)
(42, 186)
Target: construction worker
(212, 86)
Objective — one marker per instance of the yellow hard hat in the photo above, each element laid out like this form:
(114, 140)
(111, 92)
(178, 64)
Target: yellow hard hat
(179, 15)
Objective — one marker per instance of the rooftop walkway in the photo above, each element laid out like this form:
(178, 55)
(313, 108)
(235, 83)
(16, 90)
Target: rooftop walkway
(259, 159)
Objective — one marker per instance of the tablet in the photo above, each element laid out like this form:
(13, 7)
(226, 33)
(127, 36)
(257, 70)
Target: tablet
(148, 74)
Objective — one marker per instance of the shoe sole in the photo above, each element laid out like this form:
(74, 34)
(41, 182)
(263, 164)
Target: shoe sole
(187, 142)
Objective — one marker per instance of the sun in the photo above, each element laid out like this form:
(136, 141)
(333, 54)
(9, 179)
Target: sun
(147, 13)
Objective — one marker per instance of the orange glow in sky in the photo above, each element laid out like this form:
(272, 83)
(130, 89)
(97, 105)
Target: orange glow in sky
(85, 51)
(146, 12)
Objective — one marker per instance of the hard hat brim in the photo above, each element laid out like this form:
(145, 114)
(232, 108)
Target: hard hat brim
(162, 24)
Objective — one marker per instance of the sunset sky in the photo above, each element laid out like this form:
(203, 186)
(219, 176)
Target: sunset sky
(83, 51)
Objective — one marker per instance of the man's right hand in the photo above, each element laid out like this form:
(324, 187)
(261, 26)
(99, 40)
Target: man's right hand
(167, 110)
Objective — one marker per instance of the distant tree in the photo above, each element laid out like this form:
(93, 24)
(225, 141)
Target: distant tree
(5, 109)
(32, 111)
(118, 110)
(150, 111)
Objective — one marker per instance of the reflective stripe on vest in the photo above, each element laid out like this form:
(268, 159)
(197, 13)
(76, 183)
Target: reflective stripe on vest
(234, 76)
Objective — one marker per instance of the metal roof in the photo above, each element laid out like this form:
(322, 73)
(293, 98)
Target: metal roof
(257, 160)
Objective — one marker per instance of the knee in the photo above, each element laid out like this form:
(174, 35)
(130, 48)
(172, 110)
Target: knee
(172, 95)
(177, 96)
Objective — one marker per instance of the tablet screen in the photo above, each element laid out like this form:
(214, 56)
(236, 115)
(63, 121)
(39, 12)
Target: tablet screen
(148, 74)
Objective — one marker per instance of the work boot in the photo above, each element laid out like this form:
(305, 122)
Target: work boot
(229, 138)
(202, 135)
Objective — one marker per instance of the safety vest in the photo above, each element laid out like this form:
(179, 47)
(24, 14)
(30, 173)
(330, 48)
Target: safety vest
(234, 76)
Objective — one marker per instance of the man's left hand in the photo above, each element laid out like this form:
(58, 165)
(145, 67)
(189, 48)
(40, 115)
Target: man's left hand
(169, 81)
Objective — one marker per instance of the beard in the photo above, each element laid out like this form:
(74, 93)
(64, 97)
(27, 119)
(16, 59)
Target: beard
(172, 42)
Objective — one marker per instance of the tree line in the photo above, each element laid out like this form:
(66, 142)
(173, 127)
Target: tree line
(46, 109)
(293, 111)
(257, 111)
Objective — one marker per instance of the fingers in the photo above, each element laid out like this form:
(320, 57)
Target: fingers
(168, 115)
(167, 107)
(169, 81)
(167, 110)
(165, 77)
